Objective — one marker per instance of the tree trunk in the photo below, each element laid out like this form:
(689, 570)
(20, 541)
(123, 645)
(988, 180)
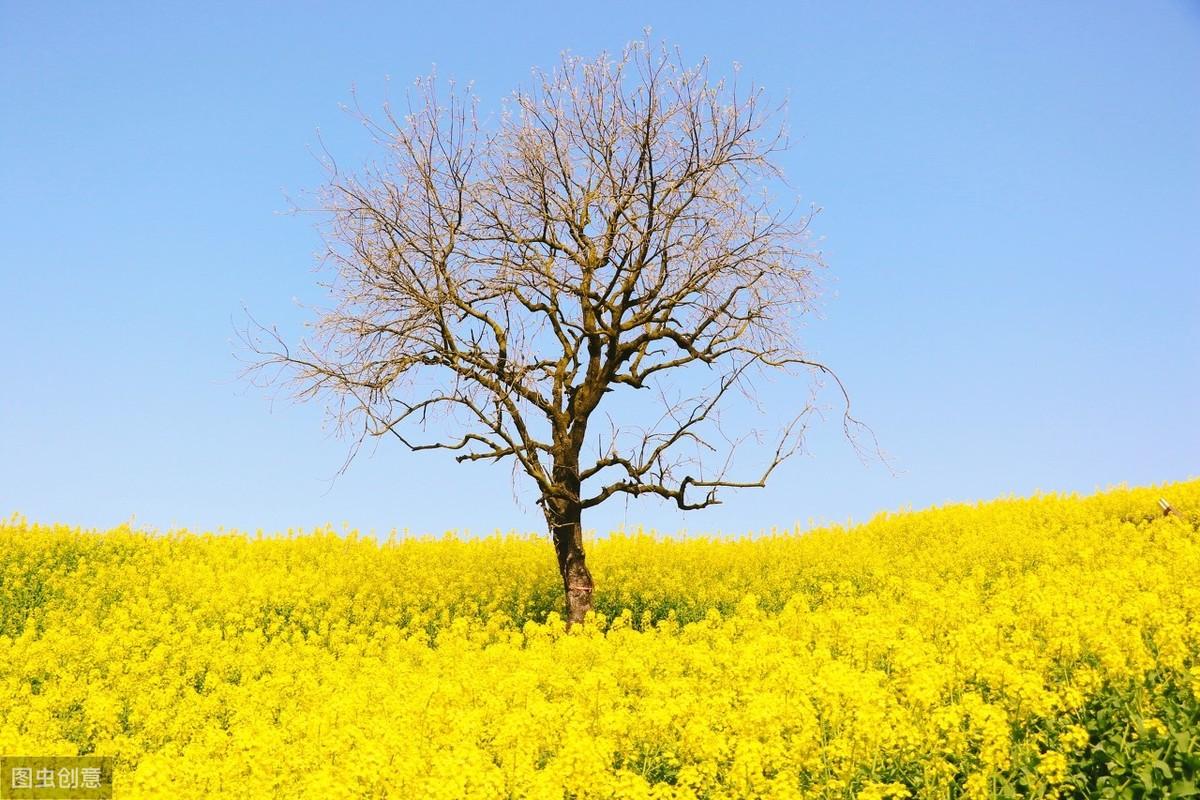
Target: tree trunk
(564, 518)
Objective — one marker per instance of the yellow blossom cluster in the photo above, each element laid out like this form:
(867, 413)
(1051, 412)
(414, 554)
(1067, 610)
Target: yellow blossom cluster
(941, 654)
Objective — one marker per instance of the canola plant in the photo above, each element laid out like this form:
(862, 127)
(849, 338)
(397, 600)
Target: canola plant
(1019, 648)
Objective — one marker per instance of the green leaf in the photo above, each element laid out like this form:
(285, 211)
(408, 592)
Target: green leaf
(1184, 789)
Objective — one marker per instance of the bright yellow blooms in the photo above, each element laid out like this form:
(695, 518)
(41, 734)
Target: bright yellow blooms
(939, 654)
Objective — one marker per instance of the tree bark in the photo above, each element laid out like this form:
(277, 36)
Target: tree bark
(564, 517)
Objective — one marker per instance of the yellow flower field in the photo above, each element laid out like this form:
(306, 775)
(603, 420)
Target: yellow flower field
(1040, 647)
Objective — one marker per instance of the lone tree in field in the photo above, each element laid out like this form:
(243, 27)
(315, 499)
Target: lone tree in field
(498, 286)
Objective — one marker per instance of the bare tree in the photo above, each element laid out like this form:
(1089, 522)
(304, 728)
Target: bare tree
(612, 230)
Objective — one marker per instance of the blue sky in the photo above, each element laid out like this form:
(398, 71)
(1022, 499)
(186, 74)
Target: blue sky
(1010, 197)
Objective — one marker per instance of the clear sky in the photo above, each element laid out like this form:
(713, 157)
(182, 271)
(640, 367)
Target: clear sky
(1011, 197)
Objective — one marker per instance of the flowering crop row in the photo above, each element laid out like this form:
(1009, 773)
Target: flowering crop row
(1039, 647)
